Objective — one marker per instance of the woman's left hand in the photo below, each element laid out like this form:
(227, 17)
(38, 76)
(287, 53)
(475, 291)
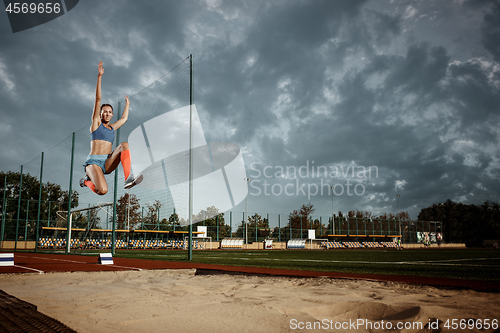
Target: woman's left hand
(127, 100)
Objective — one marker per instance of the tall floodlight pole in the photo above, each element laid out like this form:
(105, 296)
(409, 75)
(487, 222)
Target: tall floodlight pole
(19, 207)
(115, 194)
(245, 219)
(39, 202)
(128, 216)
(399, 217)
(68, 219)
(333, 214)
(190, 209)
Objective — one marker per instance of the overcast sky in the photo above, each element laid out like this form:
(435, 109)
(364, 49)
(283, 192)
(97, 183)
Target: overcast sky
(408, 90)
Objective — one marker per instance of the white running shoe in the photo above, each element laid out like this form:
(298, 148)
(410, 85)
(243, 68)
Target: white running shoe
(83, 180)
(132, 181)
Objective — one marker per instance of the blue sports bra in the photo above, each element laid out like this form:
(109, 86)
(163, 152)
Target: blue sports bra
(103, 133)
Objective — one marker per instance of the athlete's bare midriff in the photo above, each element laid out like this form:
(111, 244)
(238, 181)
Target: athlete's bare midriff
(100, 147)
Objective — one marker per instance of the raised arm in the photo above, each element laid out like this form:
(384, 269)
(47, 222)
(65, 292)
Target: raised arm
(124, 117)
(96, 114)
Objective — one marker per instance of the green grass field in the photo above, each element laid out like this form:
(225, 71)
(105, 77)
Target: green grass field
(471, 264)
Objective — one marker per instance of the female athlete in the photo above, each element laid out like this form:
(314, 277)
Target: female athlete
(102, 159)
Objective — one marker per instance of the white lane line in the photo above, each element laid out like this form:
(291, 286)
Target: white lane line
(33, 269)
(78, 262)
(139, 269)
(437, 263)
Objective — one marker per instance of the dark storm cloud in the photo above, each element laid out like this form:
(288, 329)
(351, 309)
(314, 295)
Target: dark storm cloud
(420, 71)
(283, 42)
(378, 126)
(386, 27)
(397, 122)
(289, 50)
(491, 31)
(474, 95)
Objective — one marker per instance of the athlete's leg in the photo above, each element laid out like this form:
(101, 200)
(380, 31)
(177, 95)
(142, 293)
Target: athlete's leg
(116, 157)
(122, 154)
(97, 179)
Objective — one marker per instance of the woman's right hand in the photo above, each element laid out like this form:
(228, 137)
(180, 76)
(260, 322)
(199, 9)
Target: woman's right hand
(101, 69)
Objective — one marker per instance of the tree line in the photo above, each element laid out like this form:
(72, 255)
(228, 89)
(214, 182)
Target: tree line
(461, 223)
(465, 223)
(53, 199)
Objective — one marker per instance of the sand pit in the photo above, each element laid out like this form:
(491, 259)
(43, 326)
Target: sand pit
(180, 301)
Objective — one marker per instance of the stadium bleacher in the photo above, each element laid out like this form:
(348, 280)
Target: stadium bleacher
(388, 245)
(357, 245)
(332, 245)
(227, 243)
(101, 244)
(372, 245)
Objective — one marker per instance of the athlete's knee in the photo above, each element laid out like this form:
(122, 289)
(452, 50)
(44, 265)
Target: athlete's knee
(124, 146)
(102, 190)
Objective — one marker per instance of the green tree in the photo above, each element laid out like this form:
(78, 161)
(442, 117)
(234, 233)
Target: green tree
(128, 212)
(214, 220)
(301, 220)
(54, 199)
(462, 223)
(173, 221)
(263, 230)
(151, 221)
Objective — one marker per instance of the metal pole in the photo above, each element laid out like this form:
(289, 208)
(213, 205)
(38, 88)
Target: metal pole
(48, 216)
(128, 211)
(115, 194)
(333, 214)
(320, 226)
(244, 219)
(279, 228)
(348, 224)
(357, 229)
(409, 231)
(301, 234)
(19, 208)
(255, 221)
(68, 219)
(373, 228)
(399, 216)
(4, 207)
(157, 221)
(268, 226)
(27, 220)
(190, 218)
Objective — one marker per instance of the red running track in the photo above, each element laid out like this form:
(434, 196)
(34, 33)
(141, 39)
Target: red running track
(48, 263)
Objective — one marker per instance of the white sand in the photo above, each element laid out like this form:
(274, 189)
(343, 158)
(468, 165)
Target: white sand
(179, 301)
